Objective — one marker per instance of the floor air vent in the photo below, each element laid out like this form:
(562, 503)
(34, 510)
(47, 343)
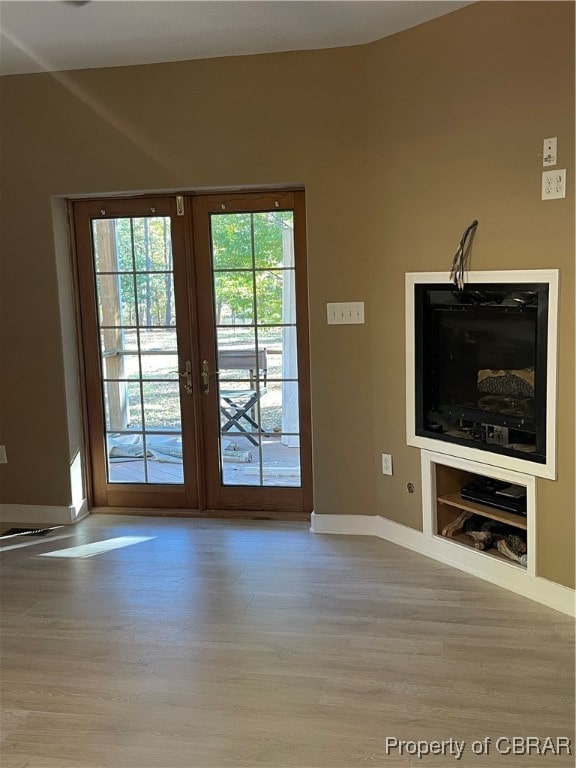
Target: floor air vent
(24, 532)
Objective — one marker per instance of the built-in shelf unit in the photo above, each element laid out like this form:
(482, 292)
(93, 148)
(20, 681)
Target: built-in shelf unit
(451, 507)
(442, 480)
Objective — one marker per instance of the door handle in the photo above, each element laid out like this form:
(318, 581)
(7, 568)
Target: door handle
(206, 373)
(187, 375)
(205, 377)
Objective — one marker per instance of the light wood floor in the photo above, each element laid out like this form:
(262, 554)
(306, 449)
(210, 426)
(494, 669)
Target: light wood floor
(221, 643)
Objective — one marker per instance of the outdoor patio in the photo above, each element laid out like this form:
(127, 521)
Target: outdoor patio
(270, 464)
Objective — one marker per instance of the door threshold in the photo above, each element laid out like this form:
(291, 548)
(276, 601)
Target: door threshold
(216, 514)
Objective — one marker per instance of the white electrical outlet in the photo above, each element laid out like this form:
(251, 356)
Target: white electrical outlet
(345, 312)
(3, 457)
(386, 464)
(550, 151)
(553, 184)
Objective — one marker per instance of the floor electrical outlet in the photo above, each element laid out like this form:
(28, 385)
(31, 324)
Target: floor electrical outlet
(386, 464)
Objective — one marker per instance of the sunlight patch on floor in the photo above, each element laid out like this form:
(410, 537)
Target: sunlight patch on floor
(98, 548)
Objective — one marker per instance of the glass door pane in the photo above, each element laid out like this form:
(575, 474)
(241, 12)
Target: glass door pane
(138, 349)
(256, 348)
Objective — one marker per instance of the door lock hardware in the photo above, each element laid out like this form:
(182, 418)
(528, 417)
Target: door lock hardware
(187, 375)
(205, 377)
(206, 373)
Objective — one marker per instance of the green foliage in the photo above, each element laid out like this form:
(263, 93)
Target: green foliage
(247, 257)
(248, 260)
(143, 246)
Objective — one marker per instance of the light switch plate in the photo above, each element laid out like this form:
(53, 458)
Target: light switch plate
(345, 313)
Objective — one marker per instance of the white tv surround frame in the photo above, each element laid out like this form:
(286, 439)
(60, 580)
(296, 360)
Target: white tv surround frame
(549, 276)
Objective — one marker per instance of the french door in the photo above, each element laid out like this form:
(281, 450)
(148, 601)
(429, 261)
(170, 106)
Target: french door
(193, 319)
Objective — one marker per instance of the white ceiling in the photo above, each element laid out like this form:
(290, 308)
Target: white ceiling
(51, 35)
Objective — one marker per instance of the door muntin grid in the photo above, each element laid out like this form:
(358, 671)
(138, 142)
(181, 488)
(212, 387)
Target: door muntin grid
(253, 272)
(138, 349)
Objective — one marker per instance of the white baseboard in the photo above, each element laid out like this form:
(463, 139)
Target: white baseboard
(506, 575)
(355, 525)
(40, 514)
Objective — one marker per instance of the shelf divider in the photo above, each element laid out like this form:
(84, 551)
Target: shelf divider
(456, 500)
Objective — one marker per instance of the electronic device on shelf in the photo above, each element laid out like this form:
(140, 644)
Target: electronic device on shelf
(496, 493)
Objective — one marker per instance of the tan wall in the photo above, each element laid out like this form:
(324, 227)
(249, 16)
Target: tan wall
(460, 116)
(400, 144)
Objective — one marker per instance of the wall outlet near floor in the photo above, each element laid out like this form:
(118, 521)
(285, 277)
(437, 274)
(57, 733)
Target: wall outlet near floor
(553, 184)
(3, 457)
(386, 464)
